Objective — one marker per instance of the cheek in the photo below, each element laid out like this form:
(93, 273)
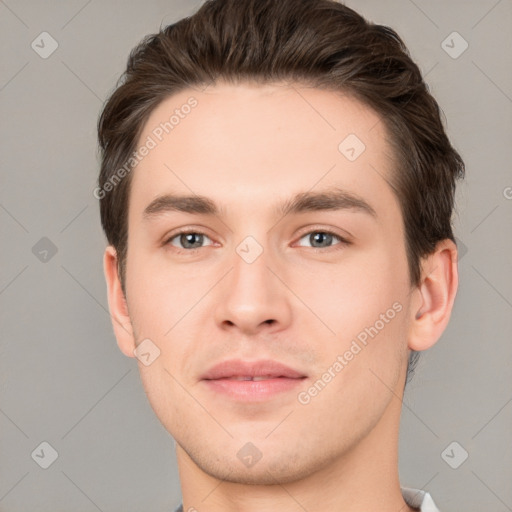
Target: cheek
(160, 292)
(351, 293)
(165, 302)
(358, 311)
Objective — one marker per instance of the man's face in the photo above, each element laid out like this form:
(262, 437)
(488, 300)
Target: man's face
(262, 285)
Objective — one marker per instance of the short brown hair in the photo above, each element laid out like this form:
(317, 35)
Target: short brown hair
(318, 43)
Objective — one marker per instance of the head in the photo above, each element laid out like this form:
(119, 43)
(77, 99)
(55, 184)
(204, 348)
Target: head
(253, 106)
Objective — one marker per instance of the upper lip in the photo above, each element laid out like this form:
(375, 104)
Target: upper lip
(239, 368)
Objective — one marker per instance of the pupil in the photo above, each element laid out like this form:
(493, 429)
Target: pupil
(319, 237)
(185, 239)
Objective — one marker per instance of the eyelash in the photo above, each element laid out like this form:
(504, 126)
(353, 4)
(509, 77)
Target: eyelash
(342, 241)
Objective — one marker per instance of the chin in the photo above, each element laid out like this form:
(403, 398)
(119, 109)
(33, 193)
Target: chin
(275, 468)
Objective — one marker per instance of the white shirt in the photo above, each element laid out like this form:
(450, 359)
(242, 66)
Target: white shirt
(419, 499)
(413, 497)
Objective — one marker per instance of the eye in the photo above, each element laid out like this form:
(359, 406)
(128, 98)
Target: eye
(188, 240)
(323, 239)
(191, 240)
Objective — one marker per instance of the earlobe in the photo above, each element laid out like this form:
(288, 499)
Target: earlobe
(437, 292)
(117, 304)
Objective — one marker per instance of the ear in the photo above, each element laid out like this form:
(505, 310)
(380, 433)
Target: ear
(434, 296)
(117, 304)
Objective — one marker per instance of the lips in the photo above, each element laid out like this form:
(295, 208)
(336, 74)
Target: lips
(236, 369)
(256, 378)
(253, 382)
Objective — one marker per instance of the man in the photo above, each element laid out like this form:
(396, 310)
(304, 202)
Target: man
(276, 188)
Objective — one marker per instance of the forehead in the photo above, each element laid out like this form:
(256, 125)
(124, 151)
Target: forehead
(243, 143)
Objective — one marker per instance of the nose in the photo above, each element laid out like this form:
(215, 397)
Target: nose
(252, 298)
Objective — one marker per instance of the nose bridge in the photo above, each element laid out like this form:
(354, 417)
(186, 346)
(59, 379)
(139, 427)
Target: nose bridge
(250, 273)
(252, 295)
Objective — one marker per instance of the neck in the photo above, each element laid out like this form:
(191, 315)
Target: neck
(364, 478)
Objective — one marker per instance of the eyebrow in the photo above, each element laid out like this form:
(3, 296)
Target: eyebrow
(332, 199)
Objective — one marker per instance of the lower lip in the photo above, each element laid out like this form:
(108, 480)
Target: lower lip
(251, 390)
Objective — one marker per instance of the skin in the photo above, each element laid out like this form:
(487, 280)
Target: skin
(249, 148)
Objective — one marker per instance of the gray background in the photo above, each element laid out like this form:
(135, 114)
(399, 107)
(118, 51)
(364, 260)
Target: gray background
(63, 379)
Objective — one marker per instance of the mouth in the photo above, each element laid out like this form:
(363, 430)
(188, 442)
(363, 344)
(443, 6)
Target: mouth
(255, 378)
(255, 381)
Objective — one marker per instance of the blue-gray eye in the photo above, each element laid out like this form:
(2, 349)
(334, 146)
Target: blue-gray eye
(322, 238)
(189, 240)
